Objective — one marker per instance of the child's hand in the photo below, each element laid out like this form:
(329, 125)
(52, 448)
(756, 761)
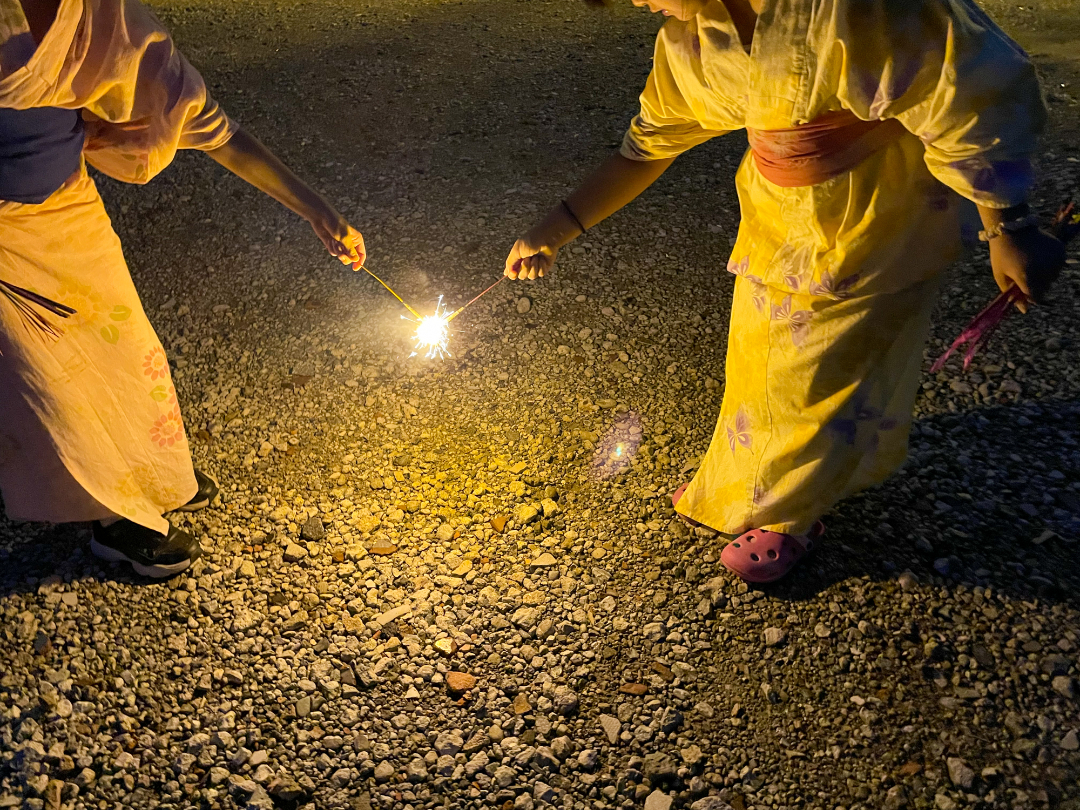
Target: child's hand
(340, 238)
(530, 259)
(1031, 259)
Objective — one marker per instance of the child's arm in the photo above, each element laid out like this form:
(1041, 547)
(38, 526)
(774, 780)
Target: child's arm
(247, 158)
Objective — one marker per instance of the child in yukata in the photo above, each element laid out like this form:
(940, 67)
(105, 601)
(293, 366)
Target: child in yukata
(864, 117)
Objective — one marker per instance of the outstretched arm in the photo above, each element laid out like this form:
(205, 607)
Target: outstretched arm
(618, 181)
(247, 158)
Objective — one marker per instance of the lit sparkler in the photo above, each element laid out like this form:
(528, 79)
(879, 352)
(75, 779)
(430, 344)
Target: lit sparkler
(432, 331)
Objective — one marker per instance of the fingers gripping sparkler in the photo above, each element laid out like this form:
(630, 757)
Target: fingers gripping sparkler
(432, 331)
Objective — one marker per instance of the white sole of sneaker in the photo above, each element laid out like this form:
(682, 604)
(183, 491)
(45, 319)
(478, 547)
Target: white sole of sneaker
(195, 506)
(108, 554)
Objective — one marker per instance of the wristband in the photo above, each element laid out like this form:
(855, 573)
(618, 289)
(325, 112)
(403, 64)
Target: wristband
(1009, 226)
(573, 216)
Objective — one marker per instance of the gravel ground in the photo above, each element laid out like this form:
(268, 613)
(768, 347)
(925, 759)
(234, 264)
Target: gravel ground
(459, 583)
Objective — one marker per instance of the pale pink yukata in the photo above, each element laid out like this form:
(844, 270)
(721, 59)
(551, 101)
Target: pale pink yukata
(90, 427)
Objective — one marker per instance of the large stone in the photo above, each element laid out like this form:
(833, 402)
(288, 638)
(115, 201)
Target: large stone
(313, 529)
(526, 514)
(960, 773)
(774, 636)
(692, 755)
(895, 799)
(259, 800)
(565, 700)
(658, 800)
(294, 553)
(285, 789)
(611, 727)
(526, 617)
(417, 771)
(460, 681)
(545, 560)
(658, 767)
(543, 792)
(1064, 686)
(448, 743)
(589, 759)
(710, 803)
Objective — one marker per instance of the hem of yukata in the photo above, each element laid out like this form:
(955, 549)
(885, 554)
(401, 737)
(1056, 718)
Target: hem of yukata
(731, 531)
(156, 523)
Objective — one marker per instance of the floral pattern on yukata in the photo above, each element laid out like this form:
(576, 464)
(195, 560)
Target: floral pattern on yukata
(796, 320)
(164, 393)
(87, 303)
(794, 266)
(92, 309)
(168, 429)
(155, 364)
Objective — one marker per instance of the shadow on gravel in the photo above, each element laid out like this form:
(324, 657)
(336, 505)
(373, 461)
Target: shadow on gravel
(40, 551)
(988, 497)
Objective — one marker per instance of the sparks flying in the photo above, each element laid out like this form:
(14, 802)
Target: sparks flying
(433, 333)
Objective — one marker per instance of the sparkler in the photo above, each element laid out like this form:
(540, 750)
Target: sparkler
(432, 331)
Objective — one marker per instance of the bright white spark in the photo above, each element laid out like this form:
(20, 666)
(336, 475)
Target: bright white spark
(433, 333)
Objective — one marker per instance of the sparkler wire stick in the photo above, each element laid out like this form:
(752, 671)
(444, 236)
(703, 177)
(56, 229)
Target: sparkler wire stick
(389, 290)
(473, 301)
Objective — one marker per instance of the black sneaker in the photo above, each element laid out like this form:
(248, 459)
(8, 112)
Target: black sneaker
(150, 554)
(208, 491)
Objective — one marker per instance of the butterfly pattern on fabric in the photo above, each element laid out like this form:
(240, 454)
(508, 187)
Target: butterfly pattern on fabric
(797, 320)
(757, 286)
(794, 265)
(861, 413)
(738, 433)
(829, 287)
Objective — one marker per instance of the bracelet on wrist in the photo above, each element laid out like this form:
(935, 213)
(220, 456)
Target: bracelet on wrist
(573, 216)
(1009, 226)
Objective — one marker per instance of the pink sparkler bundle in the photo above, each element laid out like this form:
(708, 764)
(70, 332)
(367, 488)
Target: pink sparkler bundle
(1065, 226)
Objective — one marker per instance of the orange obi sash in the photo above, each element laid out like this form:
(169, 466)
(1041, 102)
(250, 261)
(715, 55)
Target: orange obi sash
(830, 145)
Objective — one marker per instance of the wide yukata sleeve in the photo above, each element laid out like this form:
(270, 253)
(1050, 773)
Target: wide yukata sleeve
(142, 99)
(953, 78)
(666, 125)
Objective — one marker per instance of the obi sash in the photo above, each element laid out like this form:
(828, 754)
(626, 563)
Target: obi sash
(828, 146)
(40, 148)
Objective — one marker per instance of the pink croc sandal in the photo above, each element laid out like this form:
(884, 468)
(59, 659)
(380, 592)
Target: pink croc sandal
(762, 557)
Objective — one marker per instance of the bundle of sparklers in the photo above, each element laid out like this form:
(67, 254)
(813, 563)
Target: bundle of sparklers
(1065, 227)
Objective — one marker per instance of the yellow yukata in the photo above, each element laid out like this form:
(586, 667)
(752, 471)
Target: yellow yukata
(89, 423)
(836, 281)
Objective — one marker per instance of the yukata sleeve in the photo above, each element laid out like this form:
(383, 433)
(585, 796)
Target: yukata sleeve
(145, 99)
(946, 71)
(666, 125)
